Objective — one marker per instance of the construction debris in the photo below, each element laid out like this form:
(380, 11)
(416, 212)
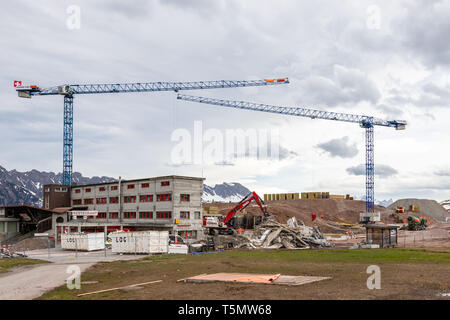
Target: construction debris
(6, 253)
(274, 235)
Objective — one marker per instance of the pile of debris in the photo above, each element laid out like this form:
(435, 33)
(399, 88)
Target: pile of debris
(6, 253)
(274, 235)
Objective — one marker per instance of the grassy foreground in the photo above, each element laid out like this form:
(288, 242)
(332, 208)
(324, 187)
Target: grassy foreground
(8, 263)
(405, 274)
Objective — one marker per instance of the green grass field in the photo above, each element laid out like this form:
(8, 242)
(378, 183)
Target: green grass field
(8, 263)
(406, 274)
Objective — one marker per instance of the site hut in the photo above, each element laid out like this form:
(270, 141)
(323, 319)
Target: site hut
(171, 203)
(383, 235)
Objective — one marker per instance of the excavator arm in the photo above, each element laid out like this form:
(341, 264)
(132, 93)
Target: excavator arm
(253, 196)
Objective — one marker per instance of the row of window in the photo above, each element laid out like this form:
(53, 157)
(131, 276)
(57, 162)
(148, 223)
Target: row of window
(128, 186)
(188, 234)
(146, 215)
(132, 215)
(132, 199)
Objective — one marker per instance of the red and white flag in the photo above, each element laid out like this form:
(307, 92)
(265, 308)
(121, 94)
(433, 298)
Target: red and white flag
(17, 84)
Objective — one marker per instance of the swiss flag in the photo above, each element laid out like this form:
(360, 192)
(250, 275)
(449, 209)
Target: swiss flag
(17, 84)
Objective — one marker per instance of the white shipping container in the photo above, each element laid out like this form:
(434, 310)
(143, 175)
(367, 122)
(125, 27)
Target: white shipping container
(140, 242)
(83, 242)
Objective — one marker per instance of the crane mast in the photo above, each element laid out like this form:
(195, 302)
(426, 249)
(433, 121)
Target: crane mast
(69, 91)
(366, 122)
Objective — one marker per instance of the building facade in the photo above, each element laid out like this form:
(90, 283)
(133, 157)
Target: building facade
(55, 196)
(170, 203)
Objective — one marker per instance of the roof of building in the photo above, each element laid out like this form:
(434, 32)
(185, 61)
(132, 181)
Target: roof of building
(380, 226)
(65, 209)
(136, 180)
(24, 206)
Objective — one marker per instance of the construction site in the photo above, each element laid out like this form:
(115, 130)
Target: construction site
(155, 237)
(163, 216)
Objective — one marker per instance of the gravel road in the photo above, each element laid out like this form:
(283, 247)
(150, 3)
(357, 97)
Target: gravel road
(32, 281)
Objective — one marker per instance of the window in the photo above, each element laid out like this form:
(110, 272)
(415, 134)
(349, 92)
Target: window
(145, 185)
(130, 186)
(185, 197)
(101, 200)
(146, 198)
(101, 215)
(77, 190)
(76, 202)
(188, 234)
(102, 189)
(129, 215)
(129, 199)
(165, 183)
(145, 215)
(197, 215)
(184, 215)
(163, 214)
(88, 201)
(87, 190)
(114, 188)
(114, 215)
(114, 200)
(64, 189)
(164, 197)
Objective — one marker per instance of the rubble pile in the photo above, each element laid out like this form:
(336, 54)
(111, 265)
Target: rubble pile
(6, 253)
(274, 235)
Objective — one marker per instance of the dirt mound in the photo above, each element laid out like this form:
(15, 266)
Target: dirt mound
(429, 208)
(33, 244)
(332, 210)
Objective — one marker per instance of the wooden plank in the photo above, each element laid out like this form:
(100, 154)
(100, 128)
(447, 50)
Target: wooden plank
(130, 286)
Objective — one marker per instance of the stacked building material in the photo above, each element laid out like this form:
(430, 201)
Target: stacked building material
(274, 235)
(281, 196)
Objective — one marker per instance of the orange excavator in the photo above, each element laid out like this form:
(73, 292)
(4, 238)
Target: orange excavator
(216, 226)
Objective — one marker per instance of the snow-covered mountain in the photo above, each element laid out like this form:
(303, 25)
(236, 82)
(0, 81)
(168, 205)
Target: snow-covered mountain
(383, 203)
(26, 187)
(225, 192)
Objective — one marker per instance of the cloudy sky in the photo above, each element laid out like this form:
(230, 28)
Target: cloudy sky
(386, 59)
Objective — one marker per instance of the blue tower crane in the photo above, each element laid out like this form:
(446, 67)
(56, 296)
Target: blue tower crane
(68, 91)
(366, 122)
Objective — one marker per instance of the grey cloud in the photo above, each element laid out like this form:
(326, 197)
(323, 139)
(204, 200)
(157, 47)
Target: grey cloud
(139, 8)
(425, 28)
(266, 153)
(430, 95)
(390, 110)
(284, 153)
(224, 163)
(443, 172)
(381, 170)
(346, 85)
(339, 148)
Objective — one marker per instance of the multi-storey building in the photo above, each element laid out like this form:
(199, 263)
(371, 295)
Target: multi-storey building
(166, 203)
